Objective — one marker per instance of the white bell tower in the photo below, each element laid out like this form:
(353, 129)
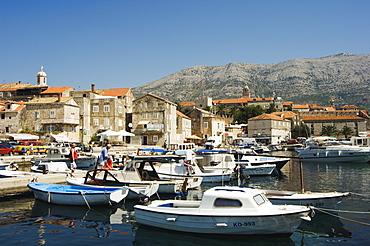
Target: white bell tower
(41, 77)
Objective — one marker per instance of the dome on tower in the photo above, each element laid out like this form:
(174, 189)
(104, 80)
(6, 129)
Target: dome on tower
(41, 73)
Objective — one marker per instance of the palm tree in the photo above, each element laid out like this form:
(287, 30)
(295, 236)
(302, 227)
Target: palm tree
(346, 131)
(329, 130)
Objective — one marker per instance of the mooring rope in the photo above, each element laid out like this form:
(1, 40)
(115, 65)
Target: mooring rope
(341, 217)
(83, 195)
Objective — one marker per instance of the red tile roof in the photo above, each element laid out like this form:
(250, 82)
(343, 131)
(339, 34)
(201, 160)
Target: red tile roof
(328, 118)
(240, 100)
(300, 106)
(187, 104)
(182, 115)
(116, 92)
(53, 90)
(266, 117)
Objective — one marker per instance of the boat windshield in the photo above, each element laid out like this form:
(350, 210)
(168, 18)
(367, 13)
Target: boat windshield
(223, 202)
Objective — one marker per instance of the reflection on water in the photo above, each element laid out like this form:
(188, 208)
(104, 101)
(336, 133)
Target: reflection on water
(30, 222)
(146, 236)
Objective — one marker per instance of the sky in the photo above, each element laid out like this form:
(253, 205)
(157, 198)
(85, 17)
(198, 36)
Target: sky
(129, 43)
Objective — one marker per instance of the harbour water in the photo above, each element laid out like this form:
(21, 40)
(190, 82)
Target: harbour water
(24, 221)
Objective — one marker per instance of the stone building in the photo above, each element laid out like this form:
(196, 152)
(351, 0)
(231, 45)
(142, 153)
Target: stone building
(356, 120)
(52, 114)
(154, 121)
(206, 124)
(269, 128)
(11, 115)
(183, 127)
(105, 109)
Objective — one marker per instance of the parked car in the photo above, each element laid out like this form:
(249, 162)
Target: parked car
(6, 150)
(29, 147)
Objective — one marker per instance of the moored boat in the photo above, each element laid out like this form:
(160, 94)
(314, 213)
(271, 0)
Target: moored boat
(321, 201)
(224, 210)
(72, 195)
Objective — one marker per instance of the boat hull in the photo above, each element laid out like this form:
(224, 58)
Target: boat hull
(329, 202)
(233, 225)
(70, 195)
(334, 155)
(258, 170)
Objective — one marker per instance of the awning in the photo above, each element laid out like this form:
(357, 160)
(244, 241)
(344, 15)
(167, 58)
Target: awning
(60, 138)
(143, 122)
(23, 136)
(194, 137)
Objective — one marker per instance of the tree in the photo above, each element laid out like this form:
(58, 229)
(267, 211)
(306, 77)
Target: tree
(346, 131)
(271, 109)
(330, 130)
(301, 130)
(221, 110)
(247, 112)
(182, 109)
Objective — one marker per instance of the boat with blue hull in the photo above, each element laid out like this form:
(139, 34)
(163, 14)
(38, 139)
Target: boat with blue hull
(72, 195)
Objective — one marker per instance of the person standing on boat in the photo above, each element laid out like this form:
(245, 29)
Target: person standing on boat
(73, 156)
(104, 155)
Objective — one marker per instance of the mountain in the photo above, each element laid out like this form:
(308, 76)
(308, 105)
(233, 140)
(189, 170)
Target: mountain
(343, 77)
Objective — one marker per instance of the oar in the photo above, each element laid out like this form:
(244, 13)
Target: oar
(118, 195)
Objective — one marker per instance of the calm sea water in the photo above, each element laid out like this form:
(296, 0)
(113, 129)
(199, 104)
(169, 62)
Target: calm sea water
(25, 221)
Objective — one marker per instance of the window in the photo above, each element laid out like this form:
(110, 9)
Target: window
(52, 114)
(144, 116)
(1, 94)
(155, 104)
(106, 122)
(120, 122)
(155, 138)
(120, 109)
(8, 94)
(259, 199)
(96, 122)
(95, 109)
(223, 202)
(106, 108)
(205, 124)
(144, 105)
(155, 115)
(37, 115)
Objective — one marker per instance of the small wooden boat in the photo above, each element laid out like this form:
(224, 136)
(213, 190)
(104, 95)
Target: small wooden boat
(72, 195)
(224, 210)
(328, 201)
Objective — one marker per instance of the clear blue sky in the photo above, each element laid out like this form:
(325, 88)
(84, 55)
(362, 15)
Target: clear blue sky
(128, 43)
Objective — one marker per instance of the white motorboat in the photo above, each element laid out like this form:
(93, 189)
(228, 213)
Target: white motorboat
(177, 167)
(133, 191)
(256, 160)
(224, 210)
(327, 201)
(333, 152)
(72, 195)
(131, 176)
(61, 154)
(167, 167)
(51, 167)
(258, 170)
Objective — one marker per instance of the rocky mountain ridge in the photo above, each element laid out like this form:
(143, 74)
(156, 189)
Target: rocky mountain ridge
(342, 77)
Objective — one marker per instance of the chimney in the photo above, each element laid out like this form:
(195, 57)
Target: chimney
(92, 87)
(59, 97)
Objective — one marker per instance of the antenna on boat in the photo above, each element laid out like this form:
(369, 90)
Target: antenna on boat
(301, 175)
